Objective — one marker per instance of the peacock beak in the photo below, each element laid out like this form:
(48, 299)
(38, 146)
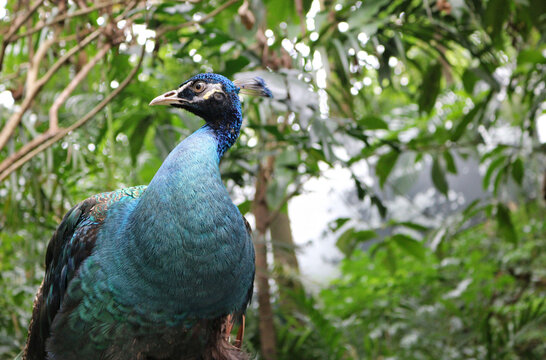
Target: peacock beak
(169, 98)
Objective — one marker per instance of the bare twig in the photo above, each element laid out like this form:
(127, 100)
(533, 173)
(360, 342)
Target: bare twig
(34, 86)
(25, 149)
(34, 65)
(53, 69)
(13, 29)
(21, 158)
(61, 99)
(299, 10)
(213, 13)
(53, 111)
(16, 74)
(427, 9)
(19, 22)
(66, 16)
(273, 214)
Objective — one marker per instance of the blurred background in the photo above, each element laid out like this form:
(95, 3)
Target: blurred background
(395, 183)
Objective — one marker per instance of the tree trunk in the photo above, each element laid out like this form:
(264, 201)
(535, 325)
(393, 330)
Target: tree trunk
(286, 262)
(268, 342)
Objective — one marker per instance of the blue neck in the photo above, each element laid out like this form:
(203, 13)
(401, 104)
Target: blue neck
(184, 220)
(226, 125)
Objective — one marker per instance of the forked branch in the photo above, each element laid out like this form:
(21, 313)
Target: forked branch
(21, 157)
(61, 99)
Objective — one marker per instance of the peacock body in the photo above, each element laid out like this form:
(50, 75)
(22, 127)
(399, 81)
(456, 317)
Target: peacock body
(154, 272)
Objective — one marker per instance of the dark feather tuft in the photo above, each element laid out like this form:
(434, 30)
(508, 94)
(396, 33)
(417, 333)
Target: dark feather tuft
(253, 86)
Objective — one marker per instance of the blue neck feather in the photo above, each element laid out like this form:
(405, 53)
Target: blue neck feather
(227, 125)
(184, 220)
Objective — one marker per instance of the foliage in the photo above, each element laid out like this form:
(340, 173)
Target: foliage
(483, 298)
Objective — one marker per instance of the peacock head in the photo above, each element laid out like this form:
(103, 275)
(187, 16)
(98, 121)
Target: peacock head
(213, 97)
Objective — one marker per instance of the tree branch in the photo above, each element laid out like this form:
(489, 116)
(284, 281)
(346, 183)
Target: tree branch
(16, 26)
(21, 158)
(34, 86)
(273, 214)
(66, 16)
(53, 111)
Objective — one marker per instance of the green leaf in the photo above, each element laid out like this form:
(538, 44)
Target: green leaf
(414, 226)
(379, 204)
(450, 162)
(338, 223)
(348, 241)
(384, 166)
(501, 174)
(366, 14)
(360, 190)
(284, 11)
(342, 57)
(244, 207)
(517, 170)
(496, 13)
(430, 87)
(233, 66)
(439, 177)
(459, 130)
(409, 245)
(487, 75)
(496, 151)
(469, 81)
(372, 122)
(274, 130)
(532, 56)
(498, 162)
(505, 225)
(137, 137)
(389, 259)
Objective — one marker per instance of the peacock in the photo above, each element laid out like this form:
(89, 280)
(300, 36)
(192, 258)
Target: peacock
(160, 271)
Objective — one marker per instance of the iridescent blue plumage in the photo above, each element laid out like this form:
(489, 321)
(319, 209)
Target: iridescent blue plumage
(154, 272)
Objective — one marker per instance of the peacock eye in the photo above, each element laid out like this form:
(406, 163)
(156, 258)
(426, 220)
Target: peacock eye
(218, 96)
(198, 86)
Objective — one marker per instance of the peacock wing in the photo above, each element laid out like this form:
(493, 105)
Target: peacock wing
(251, 288)
(70, 245)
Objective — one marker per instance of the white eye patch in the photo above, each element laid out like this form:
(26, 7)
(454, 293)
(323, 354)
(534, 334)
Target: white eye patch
(211, 89)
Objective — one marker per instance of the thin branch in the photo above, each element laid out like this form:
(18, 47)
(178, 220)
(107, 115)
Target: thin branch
(28, 13)
(34, 65)
(84, 32)
(61, 99)
(16, 74)
(53, 111)
(273, 214)
(213, 13)
(33, 87)
(427, 9)
(299, 10)
(66, 16)
(25, 149)
(15, 28)
(53, 69)
(21, 158)
(17, 25)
